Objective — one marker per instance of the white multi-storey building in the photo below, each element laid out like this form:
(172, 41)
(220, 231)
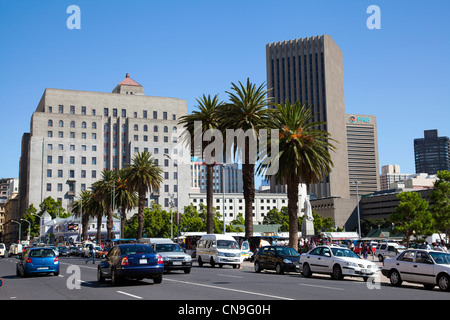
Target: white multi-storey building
(74, 135)
(228, 175)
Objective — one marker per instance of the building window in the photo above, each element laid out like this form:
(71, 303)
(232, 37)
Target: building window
(83, 110)
(165, 115)
(155, 114)
(61, 109)
(49, 187)
(50, 123)
(72, 109)
(49, 159)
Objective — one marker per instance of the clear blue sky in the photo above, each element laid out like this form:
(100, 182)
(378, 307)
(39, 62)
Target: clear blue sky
(180, 48)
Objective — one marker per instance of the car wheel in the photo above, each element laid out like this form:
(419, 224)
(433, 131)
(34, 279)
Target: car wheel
(212, 262)
(395, 278)
(279, 269)
(380, 258)
(307, 270)
(337, 273)
(114, 278)
(56, 273)
(444, 282)
(257, 267)
(187, 270)
(158, 279)
(100, 277)
(200, 261)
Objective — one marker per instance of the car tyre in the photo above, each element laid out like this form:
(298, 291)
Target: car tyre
(395, 279)
(158, 279)
(306, 270)
(200, 261)
(380, 258)
(337, 272)
(114, 278)
(443, 282)
(212, 262)
(257, 267)
(100, 277)
(187, 270)
(279, 269)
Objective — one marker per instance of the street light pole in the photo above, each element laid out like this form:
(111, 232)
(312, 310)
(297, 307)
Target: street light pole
(20, 228)
(356, 182)
(29, 228)
(223, 195)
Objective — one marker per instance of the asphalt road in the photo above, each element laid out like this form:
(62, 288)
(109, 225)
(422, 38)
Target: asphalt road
(78, 281)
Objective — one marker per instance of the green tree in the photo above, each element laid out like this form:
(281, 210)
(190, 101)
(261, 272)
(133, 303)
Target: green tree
(103, 191)
(208, 118)
(142, 175)
(412, 216)
(303, 157)
(82, 208)
(440, 196)
(125, 198)
(246, 110)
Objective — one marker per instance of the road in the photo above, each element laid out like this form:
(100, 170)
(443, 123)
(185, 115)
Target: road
(78, 281)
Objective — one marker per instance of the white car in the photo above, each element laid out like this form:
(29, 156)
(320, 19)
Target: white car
(2, 250)
(428, 267)
(388, 250)
(336, 261)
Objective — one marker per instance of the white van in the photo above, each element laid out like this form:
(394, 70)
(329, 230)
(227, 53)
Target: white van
(218, 249)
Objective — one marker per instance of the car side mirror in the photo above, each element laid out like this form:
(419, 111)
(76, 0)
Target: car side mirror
(327, 254)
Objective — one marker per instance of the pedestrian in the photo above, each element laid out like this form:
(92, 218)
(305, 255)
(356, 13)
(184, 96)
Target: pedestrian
(91, 254)
(365, 249)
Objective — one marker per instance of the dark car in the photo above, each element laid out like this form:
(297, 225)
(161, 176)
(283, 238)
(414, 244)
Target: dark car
(278, 258)
(37, 260)
(63, 251)
(131, 261)
(73, 251)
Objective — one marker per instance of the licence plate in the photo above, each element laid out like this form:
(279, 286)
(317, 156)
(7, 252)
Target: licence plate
(177, 263)
(143, 261)
(42, 268)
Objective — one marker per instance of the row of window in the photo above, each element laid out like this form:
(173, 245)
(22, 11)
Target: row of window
(114, 112)
(72, 124)
(71, 135)
(72, 160)
(71, 173)
(155, 138)
(155, 128)
(71, 147)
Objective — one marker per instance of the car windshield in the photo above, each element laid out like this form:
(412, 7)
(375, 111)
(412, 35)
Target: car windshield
(342, 252)
(227, 244)
(441, 257)
(285, 251)
(136, 249)
(168, 247)
(42, 253)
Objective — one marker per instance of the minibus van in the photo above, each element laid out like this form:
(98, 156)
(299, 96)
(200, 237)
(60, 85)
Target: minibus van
(218, 249)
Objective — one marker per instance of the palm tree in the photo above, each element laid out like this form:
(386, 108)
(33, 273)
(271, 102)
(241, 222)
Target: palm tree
(303, 156)
(207, 116)
(125, 198)
(142, 175)
(103, 191)
(81, 208)
(246, 110)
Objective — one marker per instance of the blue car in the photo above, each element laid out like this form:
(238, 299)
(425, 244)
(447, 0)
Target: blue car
(131, 261)
(37, 260)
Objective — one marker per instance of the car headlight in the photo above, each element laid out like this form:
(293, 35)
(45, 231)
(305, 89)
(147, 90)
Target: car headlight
(221, 254)
(166, 258)
(351, 264)
(188, 259)
(287, 261)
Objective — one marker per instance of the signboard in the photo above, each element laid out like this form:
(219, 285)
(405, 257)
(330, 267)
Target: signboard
(359, 119)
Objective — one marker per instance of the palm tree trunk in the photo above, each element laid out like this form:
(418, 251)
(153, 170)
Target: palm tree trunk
(292, 193)
(248, 179)
(99, 227)
(109, 222)
(209, 199)
(141, 212)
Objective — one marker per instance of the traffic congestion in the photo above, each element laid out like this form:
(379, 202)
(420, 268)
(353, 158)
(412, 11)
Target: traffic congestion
(151, 258)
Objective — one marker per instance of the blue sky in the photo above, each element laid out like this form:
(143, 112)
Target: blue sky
(183, 49)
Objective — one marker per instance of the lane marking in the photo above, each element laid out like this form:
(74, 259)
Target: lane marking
(230, 276)
(229, 289)
(129, 294)
(316, 286)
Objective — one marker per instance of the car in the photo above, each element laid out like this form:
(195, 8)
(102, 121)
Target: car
(279, 258)
(2, 250)
(37, 260)
(427, 267)
(54, 249)
(74, 251)
(218, 249)
(64, 251)
(173, 256)
(337, 262)
(101, 253)
(388, 250)
(131, 261)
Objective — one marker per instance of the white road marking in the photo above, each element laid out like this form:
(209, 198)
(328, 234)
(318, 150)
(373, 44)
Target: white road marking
(316, 286)
(229, 289)
(129, 294)
(229, 276)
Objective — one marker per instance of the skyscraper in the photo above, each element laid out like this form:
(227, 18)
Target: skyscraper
(310, 70)
(74, 135)
(431, 153)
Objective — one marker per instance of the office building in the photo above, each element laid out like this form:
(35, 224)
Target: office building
(391, 174)
(310, 70)
(232, 180)
(362, 146)
(74, 135)
(431, 153)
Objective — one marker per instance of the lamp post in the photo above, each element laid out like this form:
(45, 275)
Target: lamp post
(223, 195)
(29, 227)
(356, 182)
(175, 163)
(20, 227)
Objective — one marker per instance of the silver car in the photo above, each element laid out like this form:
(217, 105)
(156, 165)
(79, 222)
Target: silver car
(427, 267)
(174, 257)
